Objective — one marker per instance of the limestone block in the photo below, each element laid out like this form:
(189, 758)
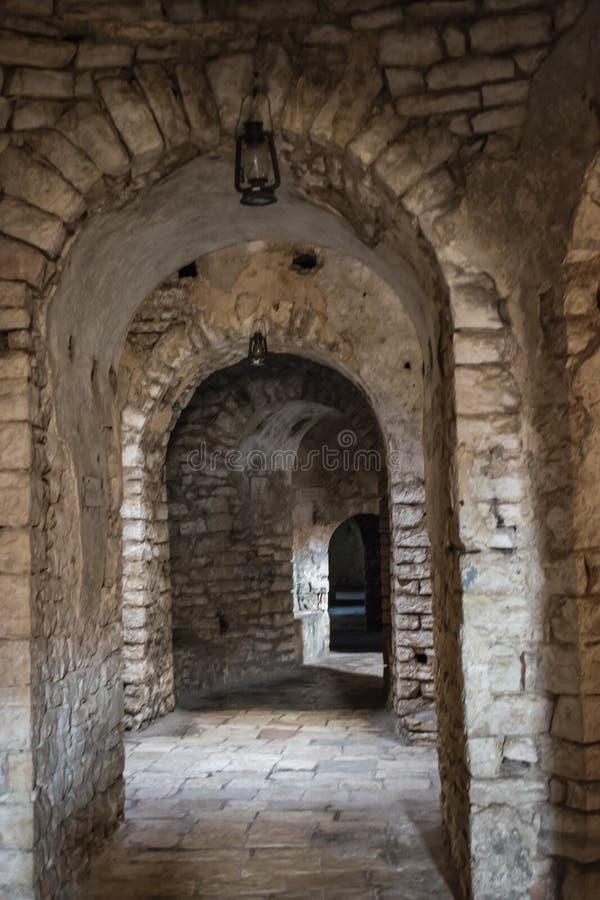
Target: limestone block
(522, 792)
(349, 103)
(379, 18)
(231, 79)
(421, 151)
(380, 131)
(455, 41)
(103, 56)
(16, 870)
(160, 95)
(21, 262)
(19, 50)
(14, 319)
(509, 5)
(327, 35)
(15, 663)
(409, 47)
(74, 165)
(425, 105)
(495, 35)
(15, 499)
(199, 105)
(476, 348)
(442, 9)
(133, 120)
(469, 72)
(529, 61)
(577, 718)
(498, 119)
(514, 714)
(19, 220)
(87, 128)
(36, 114)
(404, 81)
(84, 85)
(5, 111)
(27, 179)
(475, 304)
(15, 552)
(15, 605)
(276, 71)
(510, 92)
(14, 294)
(16, 826)
(520, 750)
(15, 446)
(48, 83)
(571, 834)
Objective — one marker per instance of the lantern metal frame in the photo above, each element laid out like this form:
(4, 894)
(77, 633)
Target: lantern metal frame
(257, 348)
(251, 127)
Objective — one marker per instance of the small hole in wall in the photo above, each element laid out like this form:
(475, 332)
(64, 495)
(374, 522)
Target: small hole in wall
(408, 366)
(421, 657)
(598, 298)
(189, 271)
(223, 623)
(71, 348)
(304, 262)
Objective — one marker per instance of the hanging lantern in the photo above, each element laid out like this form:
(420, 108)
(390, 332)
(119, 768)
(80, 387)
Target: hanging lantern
(256, 167)
(257, 351)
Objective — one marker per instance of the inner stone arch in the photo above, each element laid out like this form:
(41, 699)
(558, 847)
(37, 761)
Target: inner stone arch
(187, 330)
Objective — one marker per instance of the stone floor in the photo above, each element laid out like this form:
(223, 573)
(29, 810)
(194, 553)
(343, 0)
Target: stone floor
(295, 787)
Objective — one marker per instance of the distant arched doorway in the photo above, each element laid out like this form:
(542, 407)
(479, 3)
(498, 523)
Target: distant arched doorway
(355, 597)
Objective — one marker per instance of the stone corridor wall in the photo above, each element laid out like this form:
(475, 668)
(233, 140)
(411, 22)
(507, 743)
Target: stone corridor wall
(465, 183)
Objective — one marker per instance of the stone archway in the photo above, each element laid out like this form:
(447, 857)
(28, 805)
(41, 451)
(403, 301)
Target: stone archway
(354, 162)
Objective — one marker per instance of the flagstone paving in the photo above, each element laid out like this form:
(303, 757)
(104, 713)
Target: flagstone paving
(296, 787)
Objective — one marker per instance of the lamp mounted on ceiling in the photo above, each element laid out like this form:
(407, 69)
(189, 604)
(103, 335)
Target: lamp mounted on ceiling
(256, 167)
(257, 351)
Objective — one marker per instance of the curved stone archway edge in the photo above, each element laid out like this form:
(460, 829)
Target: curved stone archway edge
(506, 717)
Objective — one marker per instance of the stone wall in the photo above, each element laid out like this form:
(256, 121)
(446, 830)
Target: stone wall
(465, 213)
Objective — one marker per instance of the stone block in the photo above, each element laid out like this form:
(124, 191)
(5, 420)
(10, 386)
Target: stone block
(103, 56)
(15, 552)
(404, 81)
(47, 83)
(21, 262)
(420, 152)
(230, 78)
(14, 400)
(475, 348)
(15, 663)
(16, 826)
(14, 605)
(425, 105)
(87, 128)
(26, 223)
(499, 119)
(29, 180)
(379, 18)
(520, 750)
(5, 112)
(160, 95)
(32, 114)
(20, 50)
(199, 105)
(510, 92)
(133, 120)
(16, 872)
(14, 294)
(14, 319)
(74, 165)
(469, 72)
(381, 130)
(501, 33)
(410, 47)
(327, 35)
(442, 9)
(15, 499)
(455, 41)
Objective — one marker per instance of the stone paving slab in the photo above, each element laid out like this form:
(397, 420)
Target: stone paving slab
(263, 796)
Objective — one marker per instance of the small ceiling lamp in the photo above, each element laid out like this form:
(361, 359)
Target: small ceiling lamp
(257, 351)
(256, 167)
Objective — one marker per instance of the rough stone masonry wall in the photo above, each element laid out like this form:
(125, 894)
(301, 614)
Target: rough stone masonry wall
(86, 153)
